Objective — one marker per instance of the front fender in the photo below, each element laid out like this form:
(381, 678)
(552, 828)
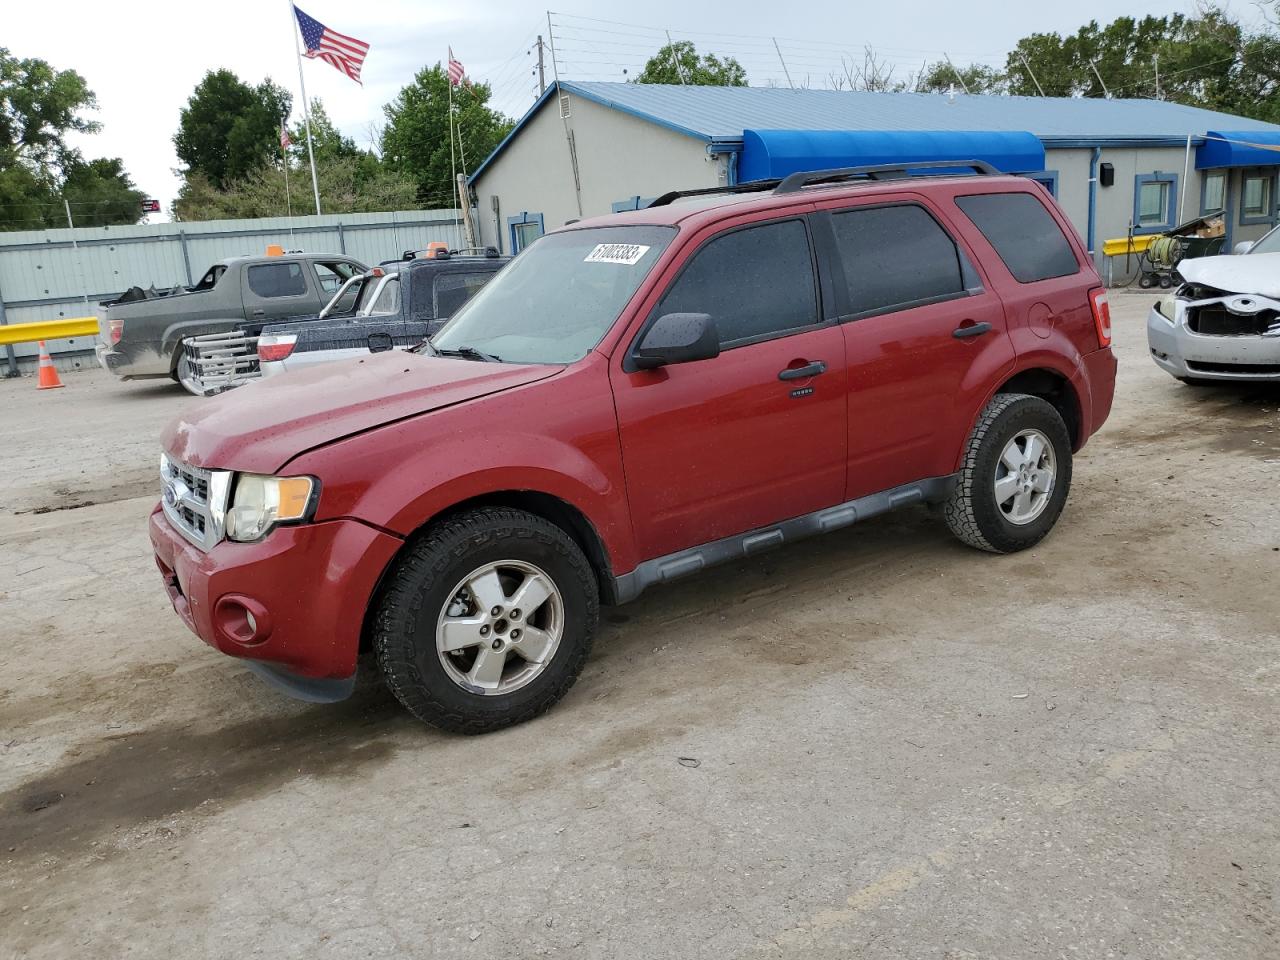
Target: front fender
(400, 476)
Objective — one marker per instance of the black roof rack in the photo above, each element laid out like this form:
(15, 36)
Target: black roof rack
(807, 178)
(755, 186)
(881, 171)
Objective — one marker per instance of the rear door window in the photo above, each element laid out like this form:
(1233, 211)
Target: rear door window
(896, 257)
(270, 280)
(452, 290)
(1024, 234)
(754, 282)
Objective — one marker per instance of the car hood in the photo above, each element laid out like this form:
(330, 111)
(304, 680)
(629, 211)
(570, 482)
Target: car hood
(1249, 273)
(259, 427)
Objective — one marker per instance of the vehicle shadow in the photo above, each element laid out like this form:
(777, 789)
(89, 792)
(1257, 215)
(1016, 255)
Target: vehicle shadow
(110, 788)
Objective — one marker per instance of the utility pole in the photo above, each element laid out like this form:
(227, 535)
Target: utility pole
(963, 86)
(674, 59)
(84, 292)
(1105, 92)
(542, 70)
(1030, 73)
(1157, 76)
(785, 71)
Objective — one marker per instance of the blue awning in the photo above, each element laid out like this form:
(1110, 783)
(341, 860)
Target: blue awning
(777, 153)
(1241, 148)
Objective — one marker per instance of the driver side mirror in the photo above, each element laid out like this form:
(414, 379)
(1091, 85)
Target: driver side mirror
(1244, 246)
(678, 338)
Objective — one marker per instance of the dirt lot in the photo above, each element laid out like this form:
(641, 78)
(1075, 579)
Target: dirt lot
(903, 748)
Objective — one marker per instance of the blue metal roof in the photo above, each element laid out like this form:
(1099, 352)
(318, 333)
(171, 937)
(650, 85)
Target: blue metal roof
(723, 113)
(1239, 148)
(776, 153)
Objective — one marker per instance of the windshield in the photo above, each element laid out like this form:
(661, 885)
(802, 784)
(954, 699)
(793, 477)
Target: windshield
(1270, 243)
(554, 302)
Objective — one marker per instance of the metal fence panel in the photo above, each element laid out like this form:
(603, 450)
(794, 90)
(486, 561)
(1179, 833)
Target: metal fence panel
(44, 276)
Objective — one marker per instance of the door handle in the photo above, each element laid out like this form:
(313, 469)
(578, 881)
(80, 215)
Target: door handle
(811, 369)
(259, 313)
(971, 330)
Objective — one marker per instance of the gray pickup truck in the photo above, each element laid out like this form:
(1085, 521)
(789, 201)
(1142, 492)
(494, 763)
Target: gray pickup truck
(141, 332)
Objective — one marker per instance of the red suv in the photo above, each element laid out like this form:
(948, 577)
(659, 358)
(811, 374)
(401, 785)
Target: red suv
(632, 399)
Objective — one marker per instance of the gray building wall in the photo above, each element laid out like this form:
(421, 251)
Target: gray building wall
(619, 156)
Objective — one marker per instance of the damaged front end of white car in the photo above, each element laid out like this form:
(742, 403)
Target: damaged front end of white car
(1223, 323)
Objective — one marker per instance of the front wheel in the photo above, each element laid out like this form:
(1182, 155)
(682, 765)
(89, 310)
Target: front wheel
(185, 374)
(486, 621)
(1015, 476)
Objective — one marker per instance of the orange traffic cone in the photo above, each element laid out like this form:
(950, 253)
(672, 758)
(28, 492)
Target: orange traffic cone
(48, 378)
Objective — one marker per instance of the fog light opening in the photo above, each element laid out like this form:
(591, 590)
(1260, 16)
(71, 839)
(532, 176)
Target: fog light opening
(242, 620)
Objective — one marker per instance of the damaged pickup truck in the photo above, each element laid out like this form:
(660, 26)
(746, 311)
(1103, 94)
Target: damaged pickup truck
(142, 331)
(1223, 323)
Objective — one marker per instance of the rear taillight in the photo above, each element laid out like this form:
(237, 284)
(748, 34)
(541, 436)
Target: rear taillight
(276, 347)
(115, 330)
(1101, 315)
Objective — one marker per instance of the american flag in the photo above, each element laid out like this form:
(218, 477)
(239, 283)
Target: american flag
(284, 137)
(456, 71)
(336, 49)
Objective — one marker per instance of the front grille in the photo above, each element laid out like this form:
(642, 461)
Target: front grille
(1241, 369)
(220, 361)
(194, 500)
(1215, 320)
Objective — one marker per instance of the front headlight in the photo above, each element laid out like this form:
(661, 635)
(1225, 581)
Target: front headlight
(1166, 306)
(259, 503)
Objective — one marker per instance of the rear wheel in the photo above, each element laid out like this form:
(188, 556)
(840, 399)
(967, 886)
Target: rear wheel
(486, 621)
(1015, 476)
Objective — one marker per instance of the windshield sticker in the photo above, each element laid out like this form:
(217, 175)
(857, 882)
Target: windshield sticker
(628, 254)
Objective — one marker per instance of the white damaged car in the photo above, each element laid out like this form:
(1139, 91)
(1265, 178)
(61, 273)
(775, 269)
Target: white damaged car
(1223, 323)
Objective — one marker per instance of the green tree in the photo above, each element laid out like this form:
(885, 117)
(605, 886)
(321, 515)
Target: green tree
(101, 193)
(228, 128)
(39, 107)
(329, 142)
(415, 141)
(975, 78)
(349, 184)
(679, 62)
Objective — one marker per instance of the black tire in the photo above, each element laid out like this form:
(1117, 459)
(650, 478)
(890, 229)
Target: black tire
(971, 511)
(419, 588)
(1146, 281)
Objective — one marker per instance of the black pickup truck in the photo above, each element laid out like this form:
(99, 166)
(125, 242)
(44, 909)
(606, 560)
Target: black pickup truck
(396, 304)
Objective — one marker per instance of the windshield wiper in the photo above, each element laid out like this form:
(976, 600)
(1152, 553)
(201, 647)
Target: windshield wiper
(466, 353)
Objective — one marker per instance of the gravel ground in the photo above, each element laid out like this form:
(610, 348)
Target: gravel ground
(893, 746)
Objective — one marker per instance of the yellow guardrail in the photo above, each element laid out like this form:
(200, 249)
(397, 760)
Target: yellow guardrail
(1124, 245)
(48, 330)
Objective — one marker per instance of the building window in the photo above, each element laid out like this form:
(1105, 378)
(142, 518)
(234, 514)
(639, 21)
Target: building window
(1046, 178)
(1213, 192)
(524, 229)
(1257, 193)
(1155, 197)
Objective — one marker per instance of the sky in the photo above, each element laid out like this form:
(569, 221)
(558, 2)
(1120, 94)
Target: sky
(143, 58)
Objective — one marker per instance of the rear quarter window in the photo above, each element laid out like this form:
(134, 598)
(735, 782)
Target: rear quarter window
(1025, 235)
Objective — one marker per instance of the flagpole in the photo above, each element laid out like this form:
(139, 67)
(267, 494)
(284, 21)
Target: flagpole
(453, 163)
(306, 109)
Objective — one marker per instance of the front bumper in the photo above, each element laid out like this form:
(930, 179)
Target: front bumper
(1189, 355)
(307, 586)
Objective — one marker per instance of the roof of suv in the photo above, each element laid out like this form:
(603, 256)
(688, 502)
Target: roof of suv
(707, 208)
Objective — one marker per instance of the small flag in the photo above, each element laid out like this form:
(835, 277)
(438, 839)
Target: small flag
(456, 71)
(285, 142)
(336, 49)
